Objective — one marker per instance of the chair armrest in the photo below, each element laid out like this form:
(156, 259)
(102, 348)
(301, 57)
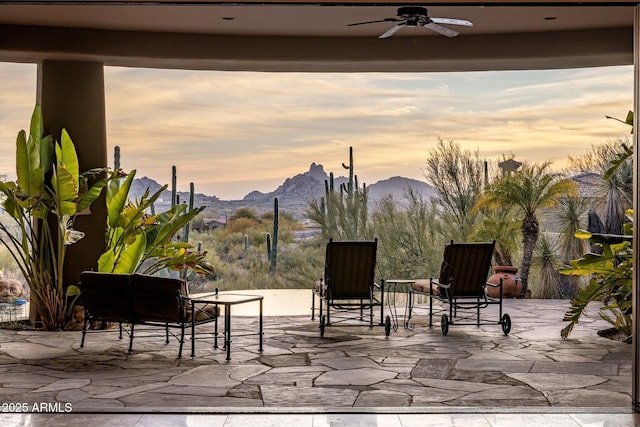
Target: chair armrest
(441, 285)
(319, 287)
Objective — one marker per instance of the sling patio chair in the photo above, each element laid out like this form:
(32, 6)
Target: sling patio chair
(348, 286)
(461, 286)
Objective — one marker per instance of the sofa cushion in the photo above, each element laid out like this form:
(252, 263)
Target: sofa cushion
(157, 299)
(204, 311)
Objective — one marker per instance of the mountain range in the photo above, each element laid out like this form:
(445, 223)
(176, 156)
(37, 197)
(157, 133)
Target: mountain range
(294, 194)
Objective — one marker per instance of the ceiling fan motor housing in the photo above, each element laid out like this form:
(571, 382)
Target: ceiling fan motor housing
(412, 11)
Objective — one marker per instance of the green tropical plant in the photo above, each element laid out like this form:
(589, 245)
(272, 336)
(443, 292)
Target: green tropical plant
(44, 201)
(610, 272)
(141, 242)
(530, 189)
(610, 281)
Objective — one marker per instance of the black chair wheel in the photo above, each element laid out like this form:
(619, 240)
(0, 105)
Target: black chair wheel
(444, 324)
(506, 324)
(387, 326)
(322, 324)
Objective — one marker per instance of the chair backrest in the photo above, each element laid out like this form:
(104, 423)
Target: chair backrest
(466, 266)
(105, 295)
(349, 269)
(157, 299)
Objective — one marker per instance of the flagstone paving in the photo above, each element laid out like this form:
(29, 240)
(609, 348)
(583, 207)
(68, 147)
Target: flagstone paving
(351, 367)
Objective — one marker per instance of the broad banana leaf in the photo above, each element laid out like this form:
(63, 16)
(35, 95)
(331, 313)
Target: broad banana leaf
(90, 196)
(64, 191)
(66, 153)
(171, 222)
(117, 198)
(36, 127)
(131, 256)
(30, 174)
(106, 262)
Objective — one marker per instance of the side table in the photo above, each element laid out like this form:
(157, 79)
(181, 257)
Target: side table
(227, 300)
(393, 287)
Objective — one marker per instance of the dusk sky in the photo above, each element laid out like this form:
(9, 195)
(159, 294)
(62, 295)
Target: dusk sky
(233, 132)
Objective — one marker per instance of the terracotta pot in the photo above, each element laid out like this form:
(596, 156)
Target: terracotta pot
(511, 284)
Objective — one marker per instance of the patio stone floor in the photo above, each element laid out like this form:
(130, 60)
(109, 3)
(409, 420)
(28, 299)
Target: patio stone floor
(474, 375)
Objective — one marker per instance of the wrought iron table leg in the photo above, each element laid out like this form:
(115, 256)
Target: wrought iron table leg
(193, 329)
(227, 330)
(260, 333)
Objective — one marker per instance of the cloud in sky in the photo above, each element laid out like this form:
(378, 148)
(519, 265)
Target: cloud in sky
(233, 132)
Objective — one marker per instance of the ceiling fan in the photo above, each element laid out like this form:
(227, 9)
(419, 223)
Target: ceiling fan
(416, 16)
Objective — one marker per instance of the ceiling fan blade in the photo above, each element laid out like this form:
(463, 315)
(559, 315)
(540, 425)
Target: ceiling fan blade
(392, 31)
(442, 30)
(452, 21)
(373, 22)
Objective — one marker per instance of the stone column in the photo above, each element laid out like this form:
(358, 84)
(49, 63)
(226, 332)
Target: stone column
(72, 97)
(635, 363)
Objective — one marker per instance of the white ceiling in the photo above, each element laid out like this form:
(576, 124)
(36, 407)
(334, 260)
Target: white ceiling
(306, 20)
(301, 36)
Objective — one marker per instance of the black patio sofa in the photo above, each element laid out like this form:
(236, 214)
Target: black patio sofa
(137, 299)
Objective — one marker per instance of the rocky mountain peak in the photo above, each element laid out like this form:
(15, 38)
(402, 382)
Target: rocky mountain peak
(317, 172)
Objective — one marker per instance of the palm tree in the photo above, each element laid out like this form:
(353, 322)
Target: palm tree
(502, 226)
(570, 214)
(530, 189)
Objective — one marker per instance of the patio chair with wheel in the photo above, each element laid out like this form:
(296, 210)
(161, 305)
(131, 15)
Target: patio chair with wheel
(348, 286)
(461, 288)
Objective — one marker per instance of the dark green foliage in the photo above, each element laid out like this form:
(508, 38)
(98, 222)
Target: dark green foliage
(611, 272)
(610, 281)
(458, 177)
(409, 245)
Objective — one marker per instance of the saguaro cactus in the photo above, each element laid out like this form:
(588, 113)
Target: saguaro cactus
(187, 226)
(272, 240)
(116, 157)
(350, 187)
(343, 214)
(174, 180)
(268, 237)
